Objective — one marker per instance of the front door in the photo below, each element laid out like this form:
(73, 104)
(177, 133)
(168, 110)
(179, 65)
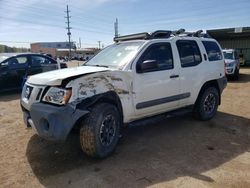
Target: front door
(156, 90)
(41, 64)
(14, 71)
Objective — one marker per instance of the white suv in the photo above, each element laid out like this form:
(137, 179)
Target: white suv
(139, 76)
(232, 63)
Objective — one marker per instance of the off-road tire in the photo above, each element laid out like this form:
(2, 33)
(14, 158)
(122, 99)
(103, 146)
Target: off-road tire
(200, 106)
(236, 74)
(90, 131)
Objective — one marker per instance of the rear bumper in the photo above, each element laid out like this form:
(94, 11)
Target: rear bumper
(52, 122)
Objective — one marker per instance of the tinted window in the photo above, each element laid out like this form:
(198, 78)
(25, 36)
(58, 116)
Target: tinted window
(39, 60)
(228, 55)
(162, 53)
(17, 61)
(189, 53)
(213, 50)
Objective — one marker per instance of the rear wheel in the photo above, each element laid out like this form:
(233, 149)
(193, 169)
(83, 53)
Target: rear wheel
(207, 104)
(99, 132)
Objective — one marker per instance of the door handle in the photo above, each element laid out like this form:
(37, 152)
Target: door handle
(174, 76)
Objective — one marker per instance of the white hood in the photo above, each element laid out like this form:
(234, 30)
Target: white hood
(54, 78)
(229, 60)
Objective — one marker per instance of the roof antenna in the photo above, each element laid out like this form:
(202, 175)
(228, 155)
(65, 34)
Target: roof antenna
(197, 33)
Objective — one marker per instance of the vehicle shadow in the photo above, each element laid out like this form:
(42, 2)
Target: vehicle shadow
(10, 95)
(146, 155)
(244, 76)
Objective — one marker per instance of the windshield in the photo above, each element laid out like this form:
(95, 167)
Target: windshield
(116, 55)
(2, 58)
(228, 55)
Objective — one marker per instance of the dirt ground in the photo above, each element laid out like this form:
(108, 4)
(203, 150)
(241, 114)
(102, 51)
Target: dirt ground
(174, 152)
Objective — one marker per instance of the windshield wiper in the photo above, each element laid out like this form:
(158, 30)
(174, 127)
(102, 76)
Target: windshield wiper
(98, 65)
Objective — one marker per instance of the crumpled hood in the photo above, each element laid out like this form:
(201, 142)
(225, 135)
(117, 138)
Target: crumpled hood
(55, 78)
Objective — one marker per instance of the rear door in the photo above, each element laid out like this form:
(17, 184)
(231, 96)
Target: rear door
(190, 72)
(41, 64)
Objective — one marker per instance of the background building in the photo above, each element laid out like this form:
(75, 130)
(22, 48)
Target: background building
(50, 47)
(234, 38)
(82, 53)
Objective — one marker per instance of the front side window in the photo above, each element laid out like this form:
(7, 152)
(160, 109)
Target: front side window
(213, 50)
(189, 53)
(17, 61)
(161, 53)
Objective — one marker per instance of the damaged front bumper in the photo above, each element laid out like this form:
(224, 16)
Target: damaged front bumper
(52, 122)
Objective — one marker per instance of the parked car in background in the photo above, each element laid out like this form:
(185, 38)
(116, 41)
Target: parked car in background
(15, 69)
(232, 63)
(242, 60)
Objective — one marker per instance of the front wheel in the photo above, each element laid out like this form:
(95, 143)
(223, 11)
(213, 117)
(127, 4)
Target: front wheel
(236, 74)
(207, 104)
(99, 133)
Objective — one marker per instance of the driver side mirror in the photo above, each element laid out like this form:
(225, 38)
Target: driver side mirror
(147, 66)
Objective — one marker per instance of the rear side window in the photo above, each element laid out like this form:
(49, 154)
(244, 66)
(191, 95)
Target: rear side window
(213, 50)
(39, 60)
(189, 53)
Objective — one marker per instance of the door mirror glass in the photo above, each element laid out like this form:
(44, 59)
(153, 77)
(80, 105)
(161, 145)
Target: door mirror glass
(148, 66)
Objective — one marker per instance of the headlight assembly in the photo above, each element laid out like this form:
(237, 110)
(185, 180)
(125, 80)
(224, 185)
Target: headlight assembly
(57, 95)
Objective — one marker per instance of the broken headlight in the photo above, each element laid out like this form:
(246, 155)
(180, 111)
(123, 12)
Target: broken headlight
(57, 95)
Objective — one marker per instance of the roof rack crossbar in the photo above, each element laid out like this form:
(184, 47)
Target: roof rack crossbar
(178, 32)
(160, 34)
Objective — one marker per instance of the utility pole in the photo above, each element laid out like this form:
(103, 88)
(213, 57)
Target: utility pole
(116, 28)
(99, 44)
(68, 30)
(80, 43)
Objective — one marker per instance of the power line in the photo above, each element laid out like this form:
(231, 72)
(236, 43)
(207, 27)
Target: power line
(19, 5)
(54, 25)
(24, 42)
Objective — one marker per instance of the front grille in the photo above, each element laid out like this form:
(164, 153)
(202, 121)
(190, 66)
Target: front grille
(39, 94)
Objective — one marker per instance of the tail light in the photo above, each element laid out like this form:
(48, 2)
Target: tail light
(224, 67)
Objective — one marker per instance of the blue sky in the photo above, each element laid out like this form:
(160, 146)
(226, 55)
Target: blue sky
(24, 21)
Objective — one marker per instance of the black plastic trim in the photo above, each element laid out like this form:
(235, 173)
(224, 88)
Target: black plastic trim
(155, 102)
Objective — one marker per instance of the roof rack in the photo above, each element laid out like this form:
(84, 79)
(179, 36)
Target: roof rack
(161, 34)
(145, 36)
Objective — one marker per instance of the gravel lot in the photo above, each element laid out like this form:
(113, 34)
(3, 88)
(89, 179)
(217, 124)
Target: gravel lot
(174, 152)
